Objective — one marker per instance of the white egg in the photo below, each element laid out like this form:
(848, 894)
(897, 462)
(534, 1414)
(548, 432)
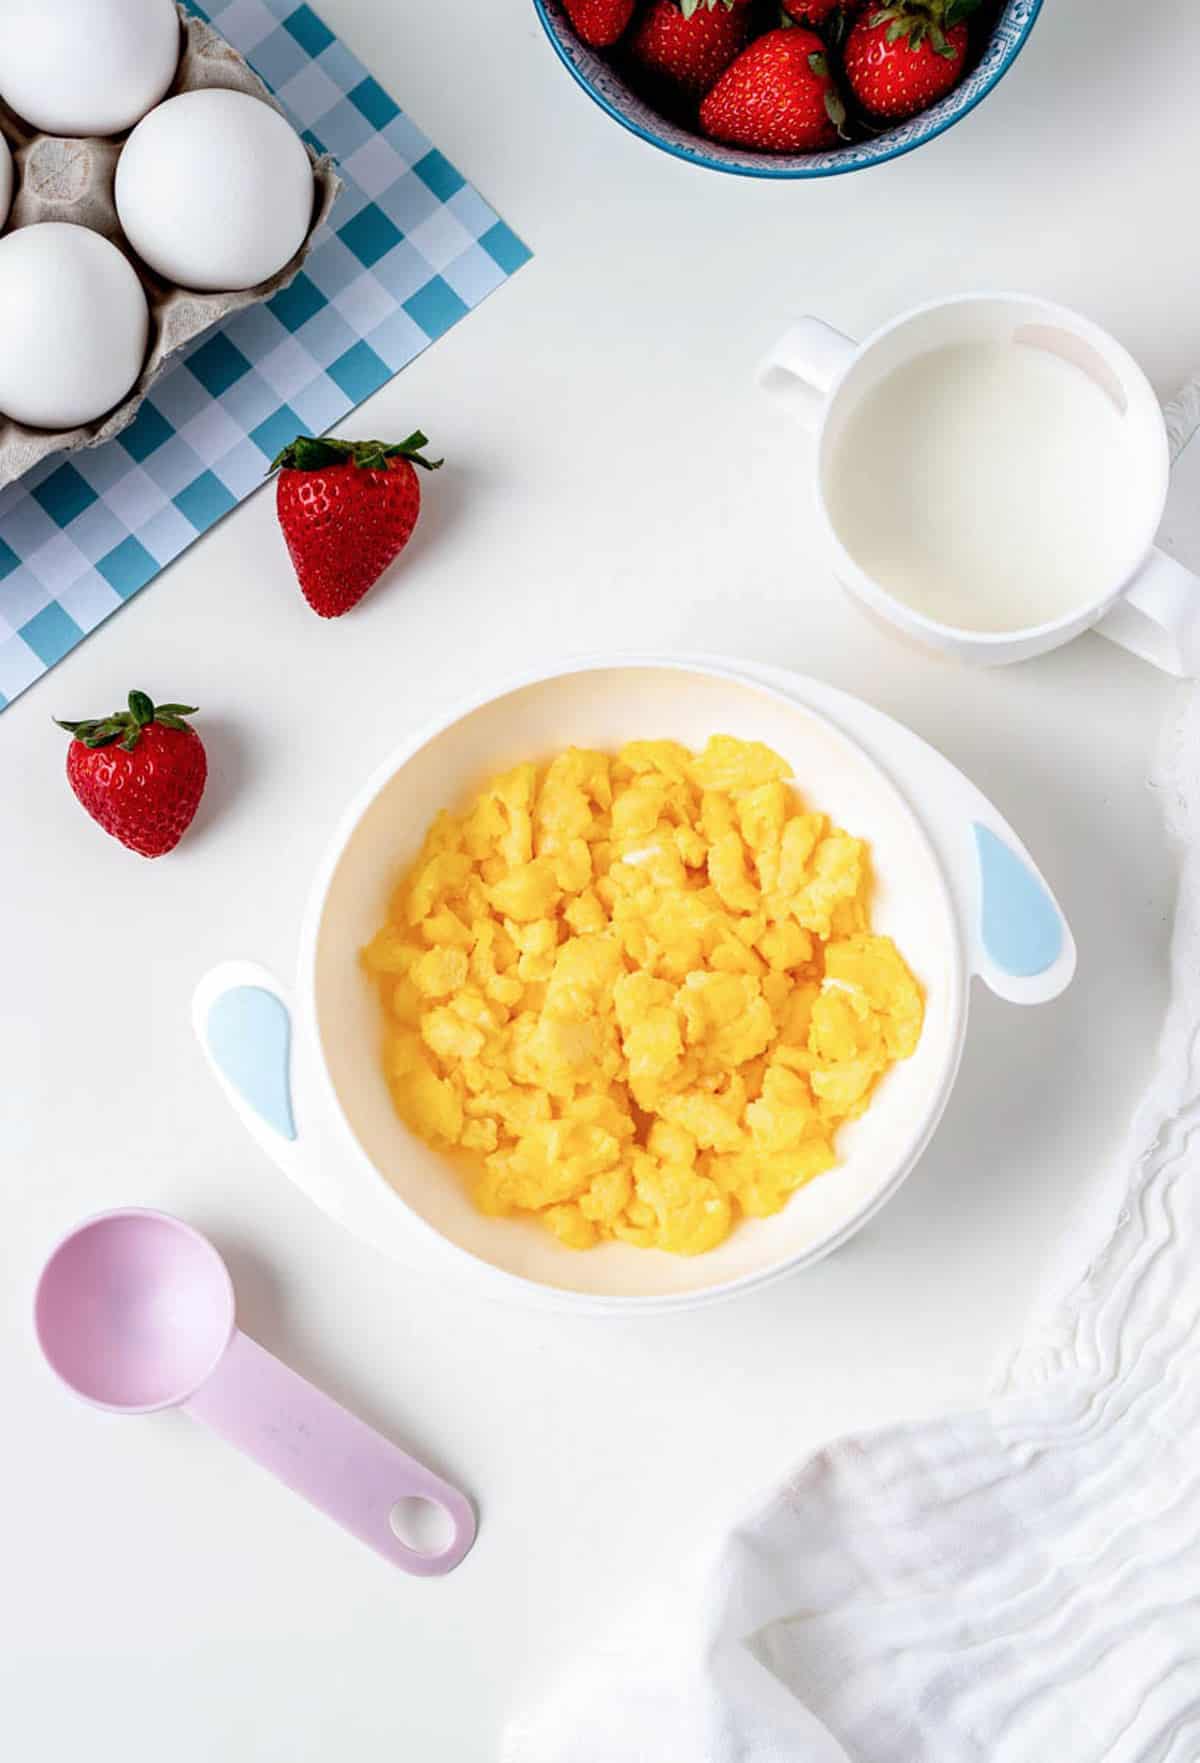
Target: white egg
(6, 180)
(214, 190)
(86, 67)
(74, 325)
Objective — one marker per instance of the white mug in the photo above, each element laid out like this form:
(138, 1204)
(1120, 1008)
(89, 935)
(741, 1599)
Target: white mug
(1149, 604)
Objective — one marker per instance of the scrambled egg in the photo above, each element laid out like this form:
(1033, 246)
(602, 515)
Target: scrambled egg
(638, 995)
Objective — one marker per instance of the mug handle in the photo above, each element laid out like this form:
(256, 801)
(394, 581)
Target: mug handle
(1158, 618)
(804, 367)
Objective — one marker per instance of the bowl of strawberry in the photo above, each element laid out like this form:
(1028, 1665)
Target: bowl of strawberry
(788, 88)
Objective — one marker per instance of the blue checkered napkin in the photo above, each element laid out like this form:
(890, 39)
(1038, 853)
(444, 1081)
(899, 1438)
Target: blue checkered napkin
(409, 250)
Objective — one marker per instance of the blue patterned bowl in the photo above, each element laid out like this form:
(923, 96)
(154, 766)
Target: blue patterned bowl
(601, 81)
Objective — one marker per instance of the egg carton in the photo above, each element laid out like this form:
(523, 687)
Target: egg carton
(72, 180)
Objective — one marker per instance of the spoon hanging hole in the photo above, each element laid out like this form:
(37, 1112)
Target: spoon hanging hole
(422, 1525)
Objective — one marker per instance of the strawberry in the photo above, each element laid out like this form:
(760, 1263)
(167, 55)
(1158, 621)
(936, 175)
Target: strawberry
(689, 43)
(814, 12)
(139, 773)
(778, 96)
(347, 509)
(901, 58)
(599, 22)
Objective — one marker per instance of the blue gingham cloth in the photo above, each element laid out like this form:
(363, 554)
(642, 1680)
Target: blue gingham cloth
(409, 249)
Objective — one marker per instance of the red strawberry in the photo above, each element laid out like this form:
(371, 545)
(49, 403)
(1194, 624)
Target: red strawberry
(347, 509)
(140, 773)
(901, 58)
(689, 43)
(599, 22)
(814, 12)
(778, 96)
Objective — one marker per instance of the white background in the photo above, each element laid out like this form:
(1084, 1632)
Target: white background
(613, 480)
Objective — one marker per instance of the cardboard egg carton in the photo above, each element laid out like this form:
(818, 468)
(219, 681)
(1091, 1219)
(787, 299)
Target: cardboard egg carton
(72, 180)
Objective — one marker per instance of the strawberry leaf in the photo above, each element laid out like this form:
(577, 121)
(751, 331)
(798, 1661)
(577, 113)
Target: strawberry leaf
(835, 110)
(819, 64)
(310, 453)
(688, 7)
(374, 455)
(958, 10)
(126, 725)
(103, 734)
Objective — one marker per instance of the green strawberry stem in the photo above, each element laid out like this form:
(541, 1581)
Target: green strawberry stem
(126, 725)
(318, 453)
(919, 21)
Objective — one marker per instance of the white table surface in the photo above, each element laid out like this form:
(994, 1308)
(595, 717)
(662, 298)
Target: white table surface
(613, 480)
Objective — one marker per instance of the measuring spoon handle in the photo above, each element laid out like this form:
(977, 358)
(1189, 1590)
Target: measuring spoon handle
(322, 1451)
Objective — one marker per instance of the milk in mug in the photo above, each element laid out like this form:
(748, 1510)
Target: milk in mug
(988, 485)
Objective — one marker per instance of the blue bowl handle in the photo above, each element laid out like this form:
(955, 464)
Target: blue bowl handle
(243, 1019)
(1020, 943)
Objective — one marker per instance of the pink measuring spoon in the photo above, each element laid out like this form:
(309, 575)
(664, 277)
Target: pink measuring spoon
(135, 1312)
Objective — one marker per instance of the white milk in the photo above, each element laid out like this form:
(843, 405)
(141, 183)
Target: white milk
(990, 486)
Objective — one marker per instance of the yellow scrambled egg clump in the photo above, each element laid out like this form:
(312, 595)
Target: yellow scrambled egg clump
(639, 994)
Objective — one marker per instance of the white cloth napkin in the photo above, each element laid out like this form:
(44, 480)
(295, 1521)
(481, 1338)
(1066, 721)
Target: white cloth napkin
(1018, 1585)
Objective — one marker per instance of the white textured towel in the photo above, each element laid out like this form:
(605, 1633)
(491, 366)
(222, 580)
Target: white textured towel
(1019, 1585)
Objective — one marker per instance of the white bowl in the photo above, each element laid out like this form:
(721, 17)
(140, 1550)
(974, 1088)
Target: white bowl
(354, 1154)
